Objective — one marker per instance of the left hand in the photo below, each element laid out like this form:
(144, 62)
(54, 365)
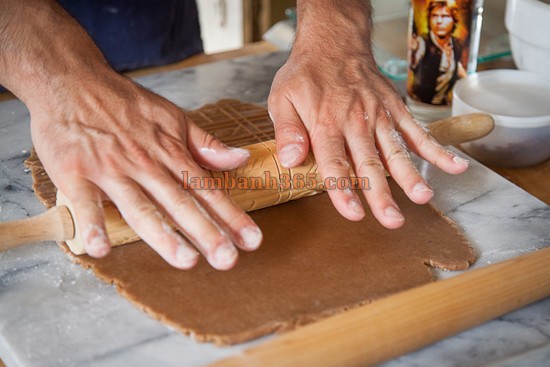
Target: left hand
(334, 100)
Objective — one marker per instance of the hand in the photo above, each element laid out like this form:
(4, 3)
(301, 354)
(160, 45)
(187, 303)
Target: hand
(100, 136)
(330, 97)
(111, 138)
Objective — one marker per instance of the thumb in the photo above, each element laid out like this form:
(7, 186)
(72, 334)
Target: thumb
(209, 152)
(290, 133)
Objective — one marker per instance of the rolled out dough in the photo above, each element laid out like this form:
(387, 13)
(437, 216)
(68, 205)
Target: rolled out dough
(313, 263)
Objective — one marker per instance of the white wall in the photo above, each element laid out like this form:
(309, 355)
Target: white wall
(221, 24)
(390, 9)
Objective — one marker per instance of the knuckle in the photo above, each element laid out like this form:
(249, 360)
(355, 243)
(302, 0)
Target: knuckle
(357, 117)
(112, 163)
(427, 142)
(172, 147)
(87, 205)
(138, 155)
(369, 164)
(208, 140)
(126, 190)
(143, 211)
(288, 131)
(375, 105)
(337, 165)
(76, 167)
(396, 154)
(212, 196)
(437, 158)
(400, 115)
(183, 204)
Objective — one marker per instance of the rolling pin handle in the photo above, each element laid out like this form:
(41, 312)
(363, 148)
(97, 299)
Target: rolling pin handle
(56, 224)
(461, 129)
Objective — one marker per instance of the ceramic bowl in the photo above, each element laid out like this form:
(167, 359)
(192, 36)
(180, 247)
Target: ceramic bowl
(519, 102)
(528, 24)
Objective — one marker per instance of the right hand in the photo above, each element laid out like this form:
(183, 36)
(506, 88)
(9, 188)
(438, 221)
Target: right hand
(99, 135)
(109, 138)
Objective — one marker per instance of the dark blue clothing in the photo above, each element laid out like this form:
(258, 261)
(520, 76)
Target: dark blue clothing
(427, 72)
(139, 33)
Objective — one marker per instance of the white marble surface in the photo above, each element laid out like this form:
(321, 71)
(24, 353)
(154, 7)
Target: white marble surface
(53, 313)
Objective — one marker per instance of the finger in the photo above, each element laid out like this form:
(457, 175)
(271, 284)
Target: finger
(290, 133)
(211, 153)
(333, 164)
(149, 224)
(424, 145)
(87, 208)
(237, 224)
(398, 162)
(367, 164)
(192, 219)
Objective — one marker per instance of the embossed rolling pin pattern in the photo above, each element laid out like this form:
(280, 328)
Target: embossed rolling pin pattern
(263, 182)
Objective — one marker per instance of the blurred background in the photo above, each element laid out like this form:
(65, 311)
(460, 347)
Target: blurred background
(231, 24)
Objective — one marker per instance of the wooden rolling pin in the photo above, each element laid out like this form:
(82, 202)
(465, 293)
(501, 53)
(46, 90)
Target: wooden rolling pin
(409, 320)
(57, 223)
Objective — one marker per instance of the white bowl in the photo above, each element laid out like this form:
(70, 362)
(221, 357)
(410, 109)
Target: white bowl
(519, 102)
(528, 22)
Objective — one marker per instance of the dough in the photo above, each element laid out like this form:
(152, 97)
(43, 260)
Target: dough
(313, 263)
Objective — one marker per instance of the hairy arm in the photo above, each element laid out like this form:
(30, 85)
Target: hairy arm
(331, 98)
(100, 135)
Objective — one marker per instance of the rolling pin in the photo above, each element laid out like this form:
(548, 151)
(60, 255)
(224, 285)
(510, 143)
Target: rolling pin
(406, 321)
(57, 224)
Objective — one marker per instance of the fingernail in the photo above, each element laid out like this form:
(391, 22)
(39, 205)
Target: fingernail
(96, 240)
(355, 206)
(186, 257)
(461, 161)
(393, 212)
(421, 187)
(99, 246)
(289, 154)
(252, 237)
(225, 255)
(240, 151)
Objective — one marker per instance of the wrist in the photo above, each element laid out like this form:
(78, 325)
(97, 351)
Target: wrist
(42, 49)
(333, 27)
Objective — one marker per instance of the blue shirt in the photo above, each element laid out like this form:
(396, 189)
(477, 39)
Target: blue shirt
(139, 33)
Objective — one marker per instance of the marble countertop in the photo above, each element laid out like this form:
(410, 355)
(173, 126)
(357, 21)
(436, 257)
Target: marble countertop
(54, 313)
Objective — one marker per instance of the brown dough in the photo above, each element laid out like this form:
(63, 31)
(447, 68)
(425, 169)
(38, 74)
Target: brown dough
(313, 263)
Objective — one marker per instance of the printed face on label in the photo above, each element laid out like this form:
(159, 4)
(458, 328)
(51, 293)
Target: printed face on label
(441, 21)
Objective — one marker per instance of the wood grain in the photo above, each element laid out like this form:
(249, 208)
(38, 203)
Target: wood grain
(408, 320)
(56, 224)
(235, 123)
(535, 180)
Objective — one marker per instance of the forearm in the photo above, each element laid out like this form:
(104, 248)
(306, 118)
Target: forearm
(42, 48)
(333, 26)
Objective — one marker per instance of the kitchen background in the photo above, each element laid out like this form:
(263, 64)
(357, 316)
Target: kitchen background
(230, 24)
